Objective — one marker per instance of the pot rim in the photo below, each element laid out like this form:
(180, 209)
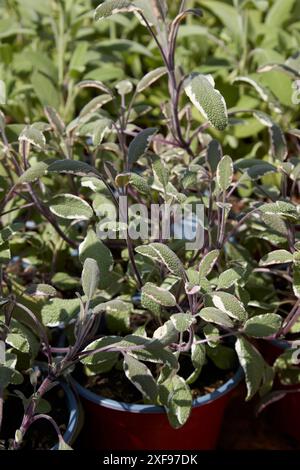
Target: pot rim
(74, 415)
(137, 408)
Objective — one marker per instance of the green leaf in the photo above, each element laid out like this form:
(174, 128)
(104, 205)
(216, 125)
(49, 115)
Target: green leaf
(55, 120)
(90, 277)
(225, 172)
(141, 377)
(68, 206)
(159, 295)
(182, 321)
(45, 90)
(228, 15)
(139, 183)
(18, 341)
(9, 376)
(36, 171)
(252, 364)
(94, 105)
(201, 91)
(229, 304)
(176, 396)
(278, 14)
(101, 362)
(214, 154)
(140, 144)
(214, 315)
(163, 254)
(73, 167)
(117, 314)
(93, 247)
(264, 325)
(101, 128)
(41, 290)
(207, 263)
(161, 171)
(198, 357)
(59, 311)
(150, 78)
(111, 7)
(276, 257)
(33, 136)
(222, 356)
(265, 94)
(167, 333)
(230, 277)
(282, 208)
(278, 143)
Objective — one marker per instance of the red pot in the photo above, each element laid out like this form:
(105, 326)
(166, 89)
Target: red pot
(112, 425)
(285, 413)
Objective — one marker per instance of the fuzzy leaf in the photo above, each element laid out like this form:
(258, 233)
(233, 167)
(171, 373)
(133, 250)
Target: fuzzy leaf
(42, 290)
(252, 364)
(182, 321)
(33, 136)
(230, 277)
(111, 7)
(207, 263)
(214, 315)
(229, 304)
(159, 295)
(93, 247)
(68, 206)
(101, 362)
(140, 144)
(209, 101)
(72, 167)
(36, 171)
(163, 254)
(90, 277)
(166, 334)
(55, 120)
(176, 396)
(150, 78)
(141, 377)
(225, 172)
(261, 326)
(276, 257)
(198, 357)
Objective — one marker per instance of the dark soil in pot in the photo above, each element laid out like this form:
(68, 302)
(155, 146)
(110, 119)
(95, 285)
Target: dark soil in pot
(41, 435)
(116, 386)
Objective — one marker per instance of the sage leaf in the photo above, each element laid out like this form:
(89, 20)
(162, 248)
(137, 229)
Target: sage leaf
(141, 377)
(140, 144)
(90, 277)
(261, 326)
(68, 206)
(252, 364)
(229, 304)
(201, 91)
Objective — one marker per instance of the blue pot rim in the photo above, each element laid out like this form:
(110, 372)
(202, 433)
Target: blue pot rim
(74, 417)
(281, 344)
(137, 408)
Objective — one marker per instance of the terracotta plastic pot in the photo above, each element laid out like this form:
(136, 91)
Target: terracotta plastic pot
(285, 413)
(112, 425)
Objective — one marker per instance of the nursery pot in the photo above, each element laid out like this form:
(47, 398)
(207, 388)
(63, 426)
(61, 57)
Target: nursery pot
(75, 421)
(285, 413)
(113, 425)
